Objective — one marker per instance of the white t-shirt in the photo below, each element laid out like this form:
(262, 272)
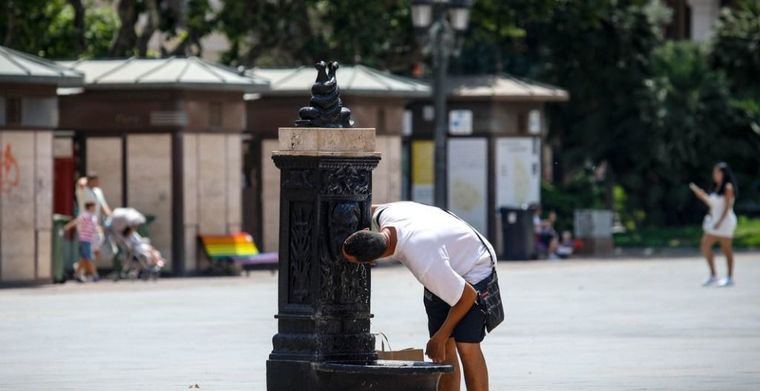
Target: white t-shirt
(91, 194)
(441, 250)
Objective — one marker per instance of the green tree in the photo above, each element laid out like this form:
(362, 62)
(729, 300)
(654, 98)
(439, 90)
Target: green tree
(52, 28)
(294, 32)
(687, 113)
(736, 53)
(37, 26)
(180, 24)
(268, 32)
(100, 29)
(497, 39)
(376, 33)
(599, 51)
(736, 46)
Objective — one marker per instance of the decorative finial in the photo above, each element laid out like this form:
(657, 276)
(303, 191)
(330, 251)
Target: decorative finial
(326, 109)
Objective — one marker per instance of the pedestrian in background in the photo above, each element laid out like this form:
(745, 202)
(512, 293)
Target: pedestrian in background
(87, 231)
(720, 222)
(88, 190)
(548, 239)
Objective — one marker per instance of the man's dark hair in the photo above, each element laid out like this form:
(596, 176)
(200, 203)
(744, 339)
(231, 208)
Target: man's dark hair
(92, 175)
(365, 245)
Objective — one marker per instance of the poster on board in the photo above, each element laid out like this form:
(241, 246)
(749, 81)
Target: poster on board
(422, 171)
(468, 180)
(518, 171)
(460, 122)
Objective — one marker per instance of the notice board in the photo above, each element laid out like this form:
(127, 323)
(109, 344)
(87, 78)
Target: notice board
(422, 171)
(518, 171)
(468, 180)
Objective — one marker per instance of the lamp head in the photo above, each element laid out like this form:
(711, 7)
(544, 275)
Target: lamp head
(422, 13)
(459, 14)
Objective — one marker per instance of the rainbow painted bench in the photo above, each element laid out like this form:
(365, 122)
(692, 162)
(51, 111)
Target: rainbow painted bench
(238, 249)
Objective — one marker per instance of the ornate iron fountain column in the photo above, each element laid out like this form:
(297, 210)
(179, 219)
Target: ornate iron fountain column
(325, 195)
(323, 340)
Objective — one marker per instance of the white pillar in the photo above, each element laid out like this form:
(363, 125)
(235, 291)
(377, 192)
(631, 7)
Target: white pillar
(704, 13)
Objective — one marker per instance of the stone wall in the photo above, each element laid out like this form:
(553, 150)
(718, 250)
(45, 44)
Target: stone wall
(190, 196)
(104, 157)
(270, 198)
(386, 179)
(212, 188)
(149, 185)
(26, 200)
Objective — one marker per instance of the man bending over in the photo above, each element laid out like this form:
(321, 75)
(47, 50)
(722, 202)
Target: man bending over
(454, 262)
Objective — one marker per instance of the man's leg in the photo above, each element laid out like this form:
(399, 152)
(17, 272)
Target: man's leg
(451, 381)
(474, 365)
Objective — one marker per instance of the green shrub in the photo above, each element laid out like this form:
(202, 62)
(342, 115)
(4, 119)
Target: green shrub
(747, 235)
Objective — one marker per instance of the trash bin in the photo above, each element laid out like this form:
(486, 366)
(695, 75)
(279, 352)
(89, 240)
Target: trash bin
(517, 232)
(64, 250)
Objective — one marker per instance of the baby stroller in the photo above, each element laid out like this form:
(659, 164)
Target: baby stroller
(138, 258)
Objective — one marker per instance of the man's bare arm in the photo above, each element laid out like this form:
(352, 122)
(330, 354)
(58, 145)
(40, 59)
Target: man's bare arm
(436, 347)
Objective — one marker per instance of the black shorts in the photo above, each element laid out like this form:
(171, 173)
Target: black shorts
(471, 329)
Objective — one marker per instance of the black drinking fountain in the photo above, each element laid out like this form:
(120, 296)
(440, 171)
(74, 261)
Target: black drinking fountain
(323, 340)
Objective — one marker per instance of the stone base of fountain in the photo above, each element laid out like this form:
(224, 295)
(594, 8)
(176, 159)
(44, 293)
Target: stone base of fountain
(333, 376)
(381, 375)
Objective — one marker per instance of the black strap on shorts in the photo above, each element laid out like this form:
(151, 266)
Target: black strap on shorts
(489, 299)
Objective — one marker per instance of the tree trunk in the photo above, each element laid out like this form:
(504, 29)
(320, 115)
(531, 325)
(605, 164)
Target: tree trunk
(79, 42)
(124, 43)
(150, 27)
(182, 48)
(10, 22)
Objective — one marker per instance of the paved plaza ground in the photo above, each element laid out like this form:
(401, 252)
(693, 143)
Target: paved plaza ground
(574, 325)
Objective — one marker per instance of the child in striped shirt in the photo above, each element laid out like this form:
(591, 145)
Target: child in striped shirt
(87, 230)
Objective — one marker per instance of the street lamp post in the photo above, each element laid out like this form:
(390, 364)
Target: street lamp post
(440, 21)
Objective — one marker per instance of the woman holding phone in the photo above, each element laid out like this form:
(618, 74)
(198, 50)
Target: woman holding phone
(720, 222)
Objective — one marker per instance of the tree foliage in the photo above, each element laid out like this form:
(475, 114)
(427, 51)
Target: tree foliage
(650, 116)
(52, 28)
(645, 116)
(689, 118)
(118, 28)
(599, 51)
(736, 46)
(736, 54)
(180, 26)
(497, 39)
(287, 32)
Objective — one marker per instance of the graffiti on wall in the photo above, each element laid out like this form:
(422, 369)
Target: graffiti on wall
(9, 172)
